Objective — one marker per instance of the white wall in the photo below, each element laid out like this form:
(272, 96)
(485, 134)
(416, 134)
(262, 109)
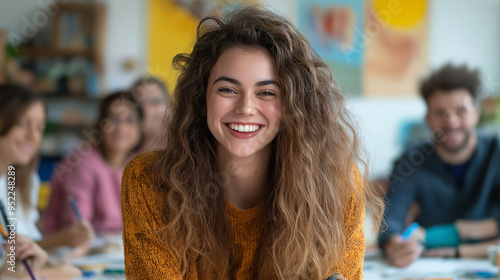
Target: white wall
(125, 40)
(467, 31)
(12, 11)
(380, 121)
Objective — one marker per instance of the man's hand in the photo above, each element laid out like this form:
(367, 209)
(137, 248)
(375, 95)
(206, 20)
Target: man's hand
(402, 253)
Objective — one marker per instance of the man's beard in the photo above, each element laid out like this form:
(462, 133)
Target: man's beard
(454, 150)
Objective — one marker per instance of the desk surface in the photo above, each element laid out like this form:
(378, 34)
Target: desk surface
(105, 261)
(376, 268)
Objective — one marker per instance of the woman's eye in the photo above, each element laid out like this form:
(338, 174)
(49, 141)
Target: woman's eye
(267, 93)
(227, 90)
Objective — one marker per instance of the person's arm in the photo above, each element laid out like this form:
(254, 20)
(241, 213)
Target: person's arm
(147, 256)
(462, 231)
(25, 249)
(466, 251)
(74, 235)
(477, 229)
(80, 185)
(478, 250)
(69, 180)
(399, 197)
(468, 230)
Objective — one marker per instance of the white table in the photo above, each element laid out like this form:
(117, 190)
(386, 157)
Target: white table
(376, 268)
(111, 261)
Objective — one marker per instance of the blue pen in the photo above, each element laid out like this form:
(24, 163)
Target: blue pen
(72, 201)
(409, 231)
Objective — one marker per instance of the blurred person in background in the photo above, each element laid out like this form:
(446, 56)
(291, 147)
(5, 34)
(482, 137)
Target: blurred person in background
(152, 94)
(454, 180)
(22, 122)
(91, 175)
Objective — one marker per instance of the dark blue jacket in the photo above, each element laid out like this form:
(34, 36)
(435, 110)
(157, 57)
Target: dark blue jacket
(421, 176)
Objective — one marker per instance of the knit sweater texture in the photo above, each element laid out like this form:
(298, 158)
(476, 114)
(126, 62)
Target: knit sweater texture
(148, 257)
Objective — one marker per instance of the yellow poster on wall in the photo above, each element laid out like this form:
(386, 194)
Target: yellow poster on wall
(172, 30)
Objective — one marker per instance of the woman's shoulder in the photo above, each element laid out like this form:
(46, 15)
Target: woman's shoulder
(139, 193)
(140, 163)
(137, 173)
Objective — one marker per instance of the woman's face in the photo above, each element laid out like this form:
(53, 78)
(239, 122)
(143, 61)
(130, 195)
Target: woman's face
(153, 103)
(21, 143)
(123, 133)
(243, 101)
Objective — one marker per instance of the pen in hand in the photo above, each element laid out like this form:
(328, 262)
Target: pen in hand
(409, 231)
(76, 210)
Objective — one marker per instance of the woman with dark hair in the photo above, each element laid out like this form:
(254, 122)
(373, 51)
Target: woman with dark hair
(259, 179)
(22, 122)
(90, 177)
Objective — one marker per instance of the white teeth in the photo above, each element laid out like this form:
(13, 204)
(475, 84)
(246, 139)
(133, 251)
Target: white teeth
(244, 128)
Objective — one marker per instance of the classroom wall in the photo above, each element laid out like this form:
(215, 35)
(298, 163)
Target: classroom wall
(125, 40)
(467, 31)
(12, 11)
(459, 31)
(125, 36)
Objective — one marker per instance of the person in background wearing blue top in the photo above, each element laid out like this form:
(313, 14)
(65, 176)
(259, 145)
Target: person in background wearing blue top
(454, 180)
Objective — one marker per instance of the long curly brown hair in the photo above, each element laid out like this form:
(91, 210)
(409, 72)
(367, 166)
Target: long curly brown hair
(313, 157)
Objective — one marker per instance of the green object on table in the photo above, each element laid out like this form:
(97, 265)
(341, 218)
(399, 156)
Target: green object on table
(114, 271)
(442, 236)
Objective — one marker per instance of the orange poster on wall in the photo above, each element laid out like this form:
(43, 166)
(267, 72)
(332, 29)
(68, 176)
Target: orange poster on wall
(396, 53)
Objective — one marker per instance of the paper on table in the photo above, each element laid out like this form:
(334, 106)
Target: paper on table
(99, 254)
(114, 260)
(435, 267)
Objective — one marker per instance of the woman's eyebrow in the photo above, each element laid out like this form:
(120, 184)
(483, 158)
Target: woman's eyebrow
(265, 83)
(224, 78)
(236, 82)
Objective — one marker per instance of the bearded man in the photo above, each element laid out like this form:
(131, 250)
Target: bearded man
(454, 180)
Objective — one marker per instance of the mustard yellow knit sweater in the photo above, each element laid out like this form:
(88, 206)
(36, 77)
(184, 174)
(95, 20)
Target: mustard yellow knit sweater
(147, 257)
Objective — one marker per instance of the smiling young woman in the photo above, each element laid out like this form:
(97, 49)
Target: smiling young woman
(92, 177)
(259, 178)
(22, 122)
